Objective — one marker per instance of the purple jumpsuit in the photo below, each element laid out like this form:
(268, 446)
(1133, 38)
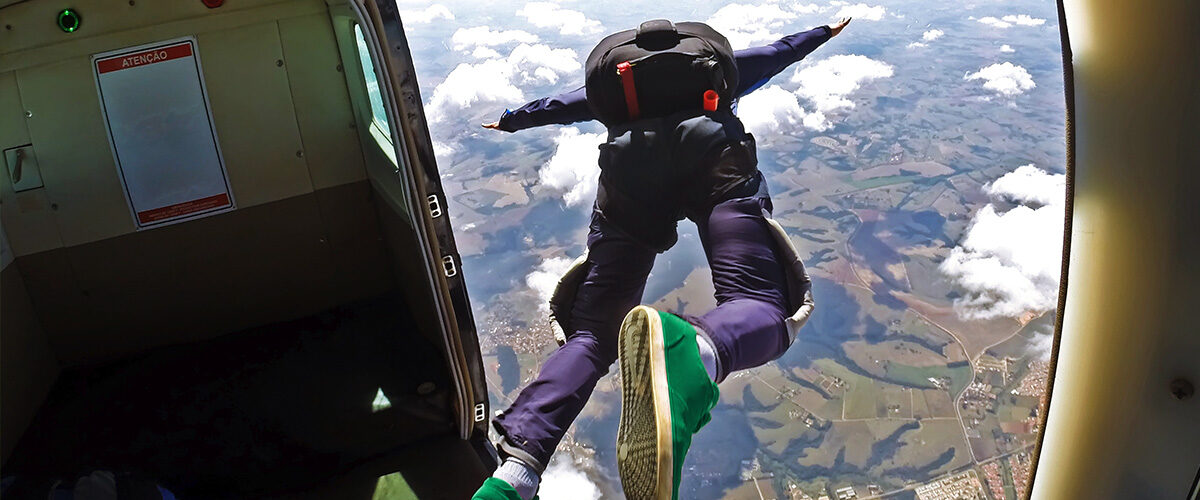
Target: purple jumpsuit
(747, 326)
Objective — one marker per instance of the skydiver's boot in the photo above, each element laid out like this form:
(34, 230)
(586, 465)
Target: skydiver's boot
(666, 396)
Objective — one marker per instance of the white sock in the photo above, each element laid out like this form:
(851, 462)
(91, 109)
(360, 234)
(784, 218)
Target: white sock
(520, 476)
(708, 355)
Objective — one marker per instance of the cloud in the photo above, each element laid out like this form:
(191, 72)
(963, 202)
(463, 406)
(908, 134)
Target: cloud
(1024, 20)
(543, 279)
(860, 11)
(916, 45)
(1006, 49)
(563, 480)
(568, 22)
(1041, 344)
(573, 169)
(466, 39)
(1003, 78)
(745, 25)
(995, 23)
(772, 112)
(485, 53)
(498, 81)
(932, 35)
(1008, 262)
(435, 11)
(828, 82)
(1009, 20)
(1029, 184)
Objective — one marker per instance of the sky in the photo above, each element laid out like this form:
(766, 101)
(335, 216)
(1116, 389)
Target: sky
(475, 59)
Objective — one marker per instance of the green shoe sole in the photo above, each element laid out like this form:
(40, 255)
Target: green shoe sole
(644, 445)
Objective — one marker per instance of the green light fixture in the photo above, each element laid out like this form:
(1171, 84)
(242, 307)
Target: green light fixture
(68, 20)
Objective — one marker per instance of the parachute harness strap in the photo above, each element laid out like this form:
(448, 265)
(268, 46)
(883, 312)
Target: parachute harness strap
(625, 71)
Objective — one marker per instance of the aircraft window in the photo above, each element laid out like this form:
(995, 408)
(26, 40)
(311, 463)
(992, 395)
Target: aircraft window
(378, 115)
(917, 161)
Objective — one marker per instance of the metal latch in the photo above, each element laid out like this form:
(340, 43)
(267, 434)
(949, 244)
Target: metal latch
(448, 266)
(23, 168)
(480, 412)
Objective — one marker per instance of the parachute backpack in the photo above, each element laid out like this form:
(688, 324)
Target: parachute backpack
(658, 69)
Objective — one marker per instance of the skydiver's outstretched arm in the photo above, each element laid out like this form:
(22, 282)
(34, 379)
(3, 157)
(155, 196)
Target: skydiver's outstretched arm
(562, 109)
(756, 65)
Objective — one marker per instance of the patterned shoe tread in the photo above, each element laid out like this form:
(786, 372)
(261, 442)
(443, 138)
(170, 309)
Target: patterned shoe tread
(638, 450)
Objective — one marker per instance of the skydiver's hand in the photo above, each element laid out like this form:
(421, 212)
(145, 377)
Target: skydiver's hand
(493, 125)
(837, 27)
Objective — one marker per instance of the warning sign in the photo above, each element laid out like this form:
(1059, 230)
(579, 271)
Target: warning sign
(161, 131)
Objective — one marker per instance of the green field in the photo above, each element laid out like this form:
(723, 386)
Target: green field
(919, 375)
(875, 182)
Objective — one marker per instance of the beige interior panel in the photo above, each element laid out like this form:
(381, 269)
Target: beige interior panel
(26, 215)
(27, 366)
(77, 165)
(322, 103)
(35, 39)
(263, 151)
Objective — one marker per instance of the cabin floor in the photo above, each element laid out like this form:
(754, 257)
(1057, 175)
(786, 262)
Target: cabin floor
(325, 403)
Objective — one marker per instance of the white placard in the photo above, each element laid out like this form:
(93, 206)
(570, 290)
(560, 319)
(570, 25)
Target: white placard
(161, 131)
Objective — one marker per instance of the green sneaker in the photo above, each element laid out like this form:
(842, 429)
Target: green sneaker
(666, 397)
(495, 488)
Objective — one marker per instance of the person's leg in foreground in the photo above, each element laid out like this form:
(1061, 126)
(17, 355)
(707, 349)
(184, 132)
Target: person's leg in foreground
(667, 392)
(535, 423)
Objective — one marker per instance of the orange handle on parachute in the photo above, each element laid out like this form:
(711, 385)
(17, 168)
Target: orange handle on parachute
(710, 100)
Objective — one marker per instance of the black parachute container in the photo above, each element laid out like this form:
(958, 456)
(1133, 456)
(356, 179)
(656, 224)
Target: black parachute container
(658, 69)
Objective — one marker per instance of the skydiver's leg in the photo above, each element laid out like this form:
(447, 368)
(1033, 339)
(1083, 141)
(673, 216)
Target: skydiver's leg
(535, 423)
(747, 327)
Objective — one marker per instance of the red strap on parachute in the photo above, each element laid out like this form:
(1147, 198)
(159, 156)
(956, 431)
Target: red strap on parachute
(625, 71)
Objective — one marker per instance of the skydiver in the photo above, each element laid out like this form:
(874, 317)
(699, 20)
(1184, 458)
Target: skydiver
(670, 363)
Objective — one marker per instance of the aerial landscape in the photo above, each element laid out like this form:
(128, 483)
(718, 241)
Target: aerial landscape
(916, 161)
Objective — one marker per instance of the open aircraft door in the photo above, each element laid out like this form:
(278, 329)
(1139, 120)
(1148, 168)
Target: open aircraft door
(416, 188)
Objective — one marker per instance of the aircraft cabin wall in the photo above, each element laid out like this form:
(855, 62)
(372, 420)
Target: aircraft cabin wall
(85, 284)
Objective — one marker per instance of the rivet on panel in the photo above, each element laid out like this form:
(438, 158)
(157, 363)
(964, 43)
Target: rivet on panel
(279, 62)
(54, 206)
(28, 114)
(426, 388)
(300, 153)
(1182, 389)
(131, 2)
(339, 68)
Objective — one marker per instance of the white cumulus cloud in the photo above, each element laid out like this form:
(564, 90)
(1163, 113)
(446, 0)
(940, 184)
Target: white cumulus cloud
(498, 81)
(466, 39)
(1010, 20)
(745, 25)
(565, 481)
(574, 168)
(932, 35)
(568, 22)
(544, 278)
(1003, 78)
(860, 11)
(915, 45)
(828, 82)
(1007, 49)
(1008, 262)
(772, 112)
(431, 13)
